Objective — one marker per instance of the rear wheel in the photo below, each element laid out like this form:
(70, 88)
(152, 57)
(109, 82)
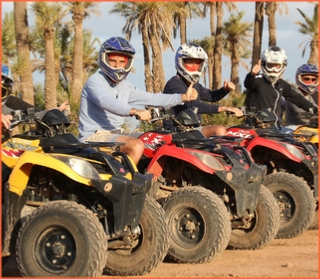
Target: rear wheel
(295, 200)
(199, 224)
(148, 249)
(61, 239)
(262, 228)
(314, 224)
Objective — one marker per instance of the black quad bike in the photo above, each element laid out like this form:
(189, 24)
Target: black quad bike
(72, 210)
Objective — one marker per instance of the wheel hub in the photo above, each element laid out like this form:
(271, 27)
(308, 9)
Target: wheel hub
(187, 226)
(57, 250)
(285, 206)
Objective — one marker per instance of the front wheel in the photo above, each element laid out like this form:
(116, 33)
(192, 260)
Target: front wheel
(262, 228)
(199, 224)
(295, 200)
(148, 250)
(61, 239)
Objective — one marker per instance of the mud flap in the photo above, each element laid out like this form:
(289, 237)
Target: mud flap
(313, 167)
(246, 185)
(11, 207)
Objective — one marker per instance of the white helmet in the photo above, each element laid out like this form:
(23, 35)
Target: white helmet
(193, 51)
(274, 63)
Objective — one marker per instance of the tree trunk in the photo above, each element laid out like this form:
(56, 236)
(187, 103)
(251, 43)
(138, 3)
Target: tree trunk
(211, 52)
(217, 77)
(49, 81)
(23, 50)
(257, 33)
(146, 55)
(212, 17)
(313, 59)
(158, 80)
(77, 67)
(183, 29)
(271, 9)
(235, 61)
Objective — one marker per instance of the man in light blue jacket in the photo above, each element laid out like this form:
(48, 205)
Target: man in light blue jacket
(107, 98)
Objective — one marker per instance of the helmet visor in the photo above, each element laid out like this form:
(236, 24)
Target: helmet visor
(108, 56)
(309, 79)
(192, 64)
(273, 67)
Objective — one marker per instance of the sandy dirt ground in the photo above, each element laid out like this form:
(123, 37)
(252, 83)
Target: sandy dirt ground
(285, 258)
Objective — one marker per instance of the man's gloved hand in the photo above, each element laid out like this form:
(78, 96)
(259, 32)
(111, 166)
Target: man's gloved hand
(313, 111)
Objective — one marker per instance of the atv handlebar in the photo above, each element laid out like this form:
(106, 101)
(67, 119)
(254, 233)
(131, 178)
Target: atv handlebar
(308, 114)
(23, 117)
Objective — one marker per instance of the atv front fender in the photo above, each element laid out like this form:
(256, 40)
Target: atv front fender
(246, 185)
(274, 145)
(184, 154)
(20, 174)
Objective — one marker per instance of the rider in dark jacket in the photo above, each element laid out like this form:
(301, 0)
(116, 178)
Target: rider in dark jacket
(10, 103)
(265, 90)
(190, 61)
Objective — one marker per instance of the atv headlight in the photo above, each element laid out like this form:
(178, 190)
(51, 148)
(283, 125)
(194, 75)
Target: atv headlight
(293, 149)
(79, 166)
(208, 160)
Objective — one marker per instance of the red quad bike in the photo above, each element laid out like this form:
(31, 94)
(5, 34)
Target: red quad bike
(202, 186)
(292, 170)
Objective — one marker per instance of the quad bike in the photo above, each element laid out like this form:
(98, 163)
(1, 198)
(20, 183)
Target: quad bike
(292, 170)
(307, 132)
(202, 186)
(71, 210)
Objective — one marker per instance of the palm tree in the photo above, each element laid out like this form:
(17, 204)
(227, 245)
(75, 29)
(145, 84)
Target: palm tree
(257, 33)
(79, 11)
(181, 12)
(23, 50)
(135, 18)
(236, 39)
(9, 51)
(90, 54)
(217, 60)
(47, 17)
(216, 10)
(310, 28)
(154, 23)
(271, 8)
(8, 38)
(207, 43)
(160, 31)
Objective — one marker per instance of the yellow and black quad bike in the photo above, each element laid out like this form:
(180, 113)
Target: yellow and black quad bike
(309, 133)
(71, 210)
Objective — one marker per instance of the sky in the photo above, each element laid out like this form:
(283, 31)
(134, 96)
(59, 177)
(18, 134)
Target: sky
(288, 37)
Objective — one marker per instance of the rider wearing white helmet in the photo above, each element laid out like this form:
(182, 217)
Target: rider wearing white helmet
(266, 90)
(190, 62)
